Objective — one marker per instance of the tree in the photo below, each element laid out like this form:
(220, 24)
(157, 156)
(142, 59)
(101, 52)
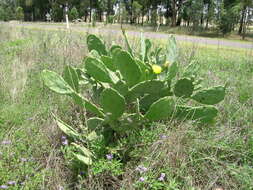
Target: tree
(20, 14)
(73, 13)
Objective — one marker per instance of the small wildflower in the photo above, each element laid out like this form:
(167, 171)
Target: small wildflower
(65, 142)
(82, 173)
(60, 187)
(109, 156)
(163, 137)
(142, 179)
(23, 159)
(63, 137)
(6, 142)
(3, 187)
(162, 176)
(141, 169)
(11, 183)
(156, 69)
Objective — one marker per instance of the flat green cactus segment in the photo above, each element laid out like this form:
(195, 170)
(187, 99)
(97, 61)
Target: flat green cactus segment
(143, 48)
(146, 71)
(146, 87)
(114, 49)
(148, 46)
(83, 159)
(82, 150)
(147, 101)
(90, 107)
(94, 123)
(172, 71)
(210, 96)
(161, 109)
(95, 43)
(97, 70)
(121, 87)
(127, 43)
(108, 62)
(204, 114)
(172, 50)
(128, 68)
(112, 102)
(71, 77)
(66, 129)
(184, 88)
(56, 83)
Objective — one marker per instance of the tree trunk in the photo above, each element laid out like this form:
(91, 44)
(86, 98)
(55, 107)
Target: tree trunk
(174, 14)
(108, 9)
(90, 10)
(242, 20)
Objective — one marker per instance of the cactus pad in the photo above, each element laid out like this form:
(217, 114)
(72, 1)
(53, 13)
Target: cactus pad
(203, 114)
(210, 96)
(97, 70)
(112, 103)
(71, 77)
(128, 68)
(161, 109)
(94, 123)
(56, 83)
(95, 43)
(183, 88)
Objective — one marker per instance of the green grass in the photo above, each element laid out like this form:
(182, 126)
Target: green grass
(191, 156)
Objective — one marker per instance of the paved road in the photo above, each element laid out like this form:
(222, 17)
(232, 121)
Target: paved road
(153, 35)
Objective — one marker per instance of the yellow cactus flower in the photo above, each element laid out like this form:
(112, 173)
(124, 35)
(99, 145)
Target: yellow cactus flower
(157, 69)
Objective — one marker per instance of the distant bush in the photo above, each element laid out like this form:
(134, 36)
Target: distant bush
(73, 14)
(20, 13)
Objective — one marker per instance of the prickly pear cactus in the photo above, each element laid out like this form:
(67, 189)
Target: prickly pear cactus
(129, 89)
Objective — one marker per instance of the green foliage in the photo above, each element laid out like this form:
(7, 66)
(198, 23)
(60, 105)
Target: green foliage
(20, 13)
(130, 93)
(95, 43)
(73, 14)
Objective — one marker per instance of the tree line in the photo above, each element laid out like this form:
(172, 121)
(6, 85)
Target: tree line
(225, 15)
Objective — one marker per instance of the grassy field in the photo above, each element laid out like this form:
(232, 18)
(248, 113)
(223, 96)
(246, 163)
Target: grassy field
(191, 157)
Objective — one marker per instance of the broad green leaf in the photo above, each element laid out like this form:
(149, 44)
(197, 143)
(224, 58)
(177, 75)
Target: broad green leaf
(95, 43)
(183, 88)
(56, 83)
(112, 102)
(210, 96)
(83, 159)
(97, 70)
(128, 68)
(161, 109)
(71, 77)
